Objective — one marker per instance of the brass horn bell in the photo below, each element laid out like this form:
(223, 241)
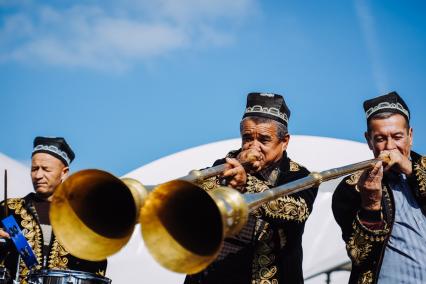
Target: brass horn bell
(93, 213)
(183, 226)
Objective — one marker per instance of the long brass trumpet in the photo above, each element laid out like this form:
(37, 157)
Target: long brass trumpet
(184, 226)
(93, 213)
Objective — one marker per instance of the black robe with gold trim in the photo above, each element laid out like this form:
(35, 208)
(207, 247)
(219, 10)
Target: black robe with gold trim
(269, 248)
(58, 258)
(365, 246)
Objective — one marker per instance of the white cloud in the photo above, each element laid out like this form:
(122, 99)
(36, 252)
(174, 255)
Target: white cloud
(115, 35)
(366, 21)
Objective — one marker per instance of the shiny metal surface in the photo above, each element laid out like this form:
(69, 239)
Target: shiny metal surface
(65, 277)
(184, 226)
(93, 213)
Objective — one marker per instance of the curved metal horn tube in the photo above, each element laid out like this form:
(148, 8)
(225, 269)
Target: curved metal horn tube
(184, 226)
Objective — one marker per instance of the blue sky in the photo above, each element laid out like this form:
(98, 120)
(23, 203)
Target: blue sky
(127, 82)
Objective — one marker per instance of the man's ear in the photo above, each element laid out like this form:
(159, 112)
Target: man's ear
(367, 137)
(285, 142)
(64, 173)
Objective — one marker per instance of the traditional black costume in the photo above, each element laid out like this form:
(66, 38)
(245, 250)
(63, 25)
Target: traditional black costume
(54, 256)
(366, 246)
(269, 248)
(31, 214)
(367, 233)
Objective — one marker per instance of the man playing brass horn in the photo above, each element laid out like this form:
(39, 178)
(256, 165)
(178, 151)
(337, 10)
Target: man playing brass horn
(269, 248)
(382, 211)
(50, 162)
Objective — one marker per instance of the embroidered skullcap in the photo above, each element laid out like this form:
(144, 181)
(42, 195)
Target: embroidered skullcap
(55, 146)
(267, 105)
(391, 102)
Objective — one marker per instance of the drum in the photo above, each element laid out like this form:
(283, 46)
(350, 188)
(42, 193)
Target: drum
(65, 277)
(4, 275)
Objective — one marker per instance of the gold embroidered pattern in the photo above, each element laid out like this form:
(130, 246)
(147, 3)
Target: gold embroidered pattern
(30, 230)
(388, 201)
(294, 167)
(358, 248)
(57, 259)
(361, 241)
(264, 269)
(262, 230)
(255, 185)
(100, 272)
(354, 178)
(287, 208)
(366, 278)
(372, 235)
(420, 170)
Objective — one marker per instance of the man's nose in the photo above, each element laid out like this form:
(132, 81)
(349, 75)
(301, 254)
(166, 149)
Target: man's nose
(390, 144)
(255, 145)
(39, 174)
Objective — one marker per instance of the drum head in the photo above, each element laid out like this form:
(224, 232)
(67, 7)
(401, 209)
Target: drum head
(65, 277)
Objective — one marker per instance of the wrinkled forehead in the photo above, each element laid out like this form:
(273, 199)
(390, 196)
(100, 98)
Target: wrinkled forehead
(251, 126)
(45, 159)
(393, 122)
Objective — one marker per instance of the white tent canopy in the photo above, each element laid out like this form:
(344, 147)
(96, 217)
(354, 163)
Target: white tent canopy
(18, 177)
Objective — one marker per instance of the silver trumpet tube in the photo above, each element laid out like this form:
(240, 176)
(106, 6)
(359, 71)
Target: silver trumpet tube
(184, 226)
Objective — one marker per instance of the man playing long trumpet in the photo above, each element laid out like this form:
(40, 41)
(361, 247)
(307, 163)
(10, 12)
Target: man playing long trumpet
(269, 248)
(381, 211)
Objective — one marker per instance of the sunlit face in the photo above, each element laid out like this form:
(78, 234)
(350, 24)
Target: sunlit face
(47, 172)
(263, 138)
(389, 134)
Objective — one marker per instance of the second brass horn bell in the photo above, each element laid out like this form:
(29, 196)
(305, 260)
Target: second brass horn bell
(93, 213)
(183, 226)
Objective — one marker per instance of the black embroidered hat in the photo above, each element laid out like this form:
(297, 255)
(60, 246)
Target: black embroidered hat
(55, 146)
(267, 105)
(391, 102)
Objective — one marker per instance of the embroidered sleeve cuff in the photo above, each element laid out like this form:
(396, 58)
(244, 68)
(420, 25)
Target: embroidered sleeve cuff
(371, 230)
(370, 216)
(372, 219)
